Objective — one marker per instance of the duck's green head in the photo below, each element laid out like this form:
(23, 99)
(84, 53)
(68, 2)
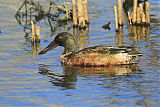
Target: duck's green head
(64, 39)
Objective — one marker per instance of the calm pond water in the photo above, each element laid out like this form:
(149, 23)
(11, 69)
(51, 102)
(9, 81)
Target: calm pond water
(27, 79)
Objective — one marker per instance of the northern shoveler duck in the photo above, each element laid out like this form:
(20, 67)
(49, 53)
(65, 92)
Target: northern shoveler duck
(99, 56)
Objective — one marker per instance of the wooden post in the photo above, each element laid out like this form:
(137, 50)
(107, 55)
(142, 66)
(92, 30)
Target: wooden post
(120, 13)
(37, 34)
(134, 11)
(74, 13)
(80, 14)
(147, 7)
(86, 17)
(116, 17)
(32, 30)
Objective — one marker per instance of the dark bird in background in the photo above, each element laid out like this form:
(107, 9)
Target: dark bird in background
(106, 26)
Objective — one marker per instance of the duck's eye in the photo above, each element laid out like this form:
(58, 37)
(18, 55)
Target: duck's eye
(60, 37)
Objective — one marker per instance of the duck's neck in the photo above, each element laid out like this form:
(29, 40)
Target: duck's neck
(70, 46)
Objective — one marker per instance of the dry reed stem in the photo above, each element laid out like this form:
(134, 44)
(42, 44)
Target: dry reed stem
(120, 13)
(80, 13)
(74, 13)
(37, 33)
(138, 16)
(143, 18)
(141, 8)
(33, 32)
(66, 7)
(129, 17)
(134, 11)
(85, 5)
(147, 7)
(116, 17)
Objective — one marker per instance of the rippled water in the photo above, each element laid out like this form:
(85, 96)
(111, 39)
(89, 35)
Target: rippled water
(27, 79)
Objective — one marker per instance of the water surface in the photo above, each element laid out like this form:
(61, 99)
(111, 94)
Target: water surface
(27, 79)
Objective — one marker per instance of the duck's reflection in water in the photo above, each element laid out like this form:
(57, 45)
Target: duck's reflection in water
(121, 70)
(70, 74)
(66, 80)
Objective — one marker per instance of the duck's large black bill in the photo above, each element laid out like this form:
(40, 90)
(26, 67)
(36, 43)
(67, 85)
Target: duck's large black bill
(49, 47)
